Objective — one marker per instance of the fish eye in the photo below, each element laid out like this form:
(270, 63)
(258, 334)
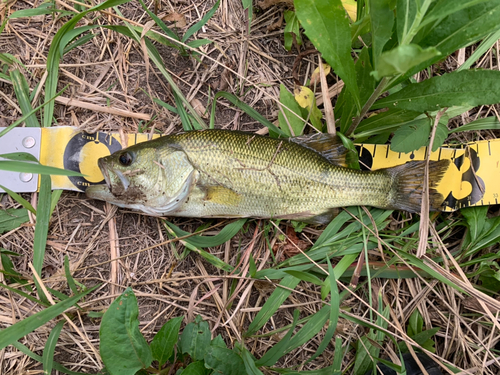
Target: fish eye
(126, 159)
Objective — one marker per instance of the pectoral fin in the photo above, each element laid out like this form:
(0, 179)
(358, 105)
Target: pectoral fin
(222, 195)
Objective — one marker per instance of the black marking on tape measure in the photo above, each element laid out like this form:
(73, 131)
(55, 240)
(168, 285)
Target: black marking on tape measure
(72, 157)
(489, 148)
(386, 152)
(469, 175)
(365, 158)
(439, 155)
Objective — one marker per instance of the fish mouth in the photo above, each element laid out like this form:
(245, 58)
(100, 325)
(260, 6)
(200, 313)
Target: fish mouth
(102, 166)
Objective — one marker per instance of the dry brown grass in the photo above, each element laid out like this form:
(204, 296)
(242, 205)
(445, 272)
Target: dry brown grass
(106, 78)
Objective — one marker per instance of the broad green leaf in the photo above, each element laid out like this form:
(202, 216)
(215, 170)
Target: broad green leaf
(444, 8)
(466, 88)
(223, 360)
(406, 15)
(290, 114)
(13, 333)
(195, 339)
(476, 218)
(277, 297)
(307, 100)
(366, 84)
(123, 348)
(382, 20)
(326, 23)
(402, 58)
(292, 29)
(441, 133)
(460, 29)
(50, 346)
(195, 368)
(165, 340)
(12, 218)
(412, 136)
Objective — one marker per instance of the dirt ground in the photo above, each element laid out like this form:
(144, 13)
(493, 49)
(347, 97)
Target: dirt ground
(110, 71)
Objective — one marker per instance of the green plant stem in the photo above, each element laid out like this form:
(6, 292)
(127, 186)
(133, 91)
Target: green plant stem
(379, 90)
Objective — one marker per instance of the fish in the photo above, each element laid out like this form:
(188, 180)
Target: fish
(217, 173)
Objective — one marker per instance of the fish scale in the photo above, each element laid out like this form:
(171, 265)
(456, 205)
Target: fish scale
(237, 174)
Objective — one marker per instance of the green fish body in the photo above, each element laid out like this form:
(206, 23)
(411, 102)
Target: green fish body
(220, 173)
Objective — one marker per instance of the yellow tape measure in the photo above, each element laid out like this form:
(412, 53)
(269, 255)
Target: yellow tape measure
(471, 180)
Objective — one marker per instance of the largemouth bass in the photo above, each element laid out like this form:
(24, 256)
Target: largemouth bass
(220, 173)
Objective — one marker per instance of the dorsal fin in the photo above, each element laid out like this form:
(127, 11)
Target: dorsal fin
(327, 145)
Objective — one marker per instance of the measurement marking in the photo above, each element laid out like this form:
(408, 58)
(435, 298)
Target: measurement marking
(489, 148)
(439, 155)
(399, 156)
(454, 153)
(386, 152)
(496, 201)
(482, 203)
(374, 150)
(135, 140)
(425, 152)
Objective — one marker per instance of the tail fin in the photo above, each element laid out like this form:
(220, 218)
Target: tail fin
(408, 184)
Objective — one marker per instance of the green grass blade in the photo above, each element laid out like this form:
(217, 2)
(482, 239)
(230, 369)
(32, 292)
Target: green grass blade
(483, 47)
(23, 202)
(156, 58)
(13, 333)
(69, 278)
(310, 329)
(22, 92)
(247, 109)
(487, 123)
(19, 166)
(279, 350)
(55, 54)
(162, 25)
(228, 232)
(23, 118)
(57, 366)
(198, 25)
(41, 228)
(50, 346)
(334, 313)
(24, 295)
(272, 304)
